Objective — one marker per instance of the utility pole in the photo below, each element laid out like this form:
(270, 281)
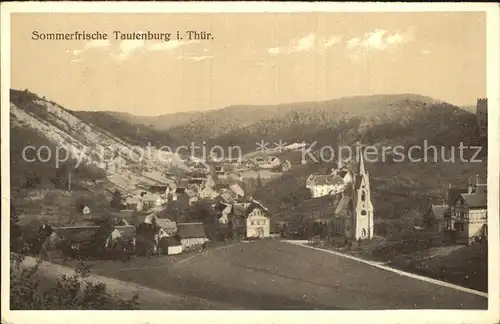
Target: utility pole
(69, 181)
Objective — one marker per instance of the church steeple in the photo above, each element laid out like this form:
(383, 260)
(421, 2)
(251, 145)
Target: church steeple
(363, 208)
(361, 164)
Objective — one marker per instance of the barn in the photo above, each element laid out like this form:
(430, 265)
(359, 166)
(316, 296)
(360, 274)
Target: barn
(192, 235)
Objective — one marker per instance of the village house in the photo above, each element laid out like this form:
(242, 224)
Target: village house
(85, 210)
(286, 166)
(170, 245)
(124, 233)
(166, 224)
(258, 159)
(436, 217)
(270, 162)
(199, 168)
(228, 196)
(151, 200)
(322, 185)
(192, 235)
(133, 203)
(72, 238)
(90, 238)
(220, 172)
(249, 164)
(207, 193)
(469, 215)
(353, 217)
(236, 188)
(258, 224)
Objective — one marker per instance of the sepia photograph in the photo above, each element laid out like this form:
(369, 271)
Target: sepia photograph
(250, 160)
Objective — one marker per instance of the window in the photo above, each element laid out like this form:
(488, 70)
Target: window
(252, 223)
(363, 196)
(363, 212)
(363, 232)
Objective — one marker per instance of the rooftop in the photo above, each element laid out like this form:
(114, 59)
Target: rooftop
(439, 211)
(321, 180)
(190, 230)
(475, 200)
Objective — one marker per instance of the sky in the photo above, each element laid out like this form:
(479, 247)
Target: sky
(252, 59)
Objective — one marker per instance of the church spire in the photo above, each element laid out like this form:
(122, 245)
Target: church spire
(359, 149)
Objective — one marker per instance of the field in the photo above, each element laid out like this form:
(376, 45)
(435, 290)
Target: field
(270, 274)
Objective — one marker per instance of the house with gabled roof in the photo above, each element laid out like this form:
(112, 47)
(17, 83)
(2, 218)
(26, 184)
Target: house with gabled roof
(322, 185)
(437, 217)
(95, 238)
(286, 166)
(258, 223)
(469, 214)
(169, 226)
(192, 235)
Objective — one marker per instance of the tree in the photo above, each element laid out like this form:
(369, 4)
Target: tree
(70, 292)
(32, 180)
(15, 231)
(116, 201)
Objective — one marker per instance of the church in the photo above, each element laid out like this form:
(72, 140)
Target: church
(353, 215)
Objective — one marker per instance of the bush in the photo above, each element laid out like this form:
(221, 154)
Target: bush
(30, 290)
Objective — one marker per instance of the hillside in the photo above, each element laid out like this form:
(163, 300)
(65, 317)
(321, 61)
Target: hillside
(399, 189)
(383, 119)
(392, 120)
(127, 128)
(98, 161)
(161, 122)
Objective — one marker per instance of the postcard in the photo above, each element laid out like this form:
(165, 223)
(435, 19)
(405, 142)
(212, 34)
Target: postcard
(302, 161)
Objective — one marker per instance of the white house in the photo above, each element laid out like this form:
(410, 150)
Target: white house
(153, 200)
(258, 223)
(322, 185)
(469, 214)
(85, 210)
(269, 162)
(286, 166)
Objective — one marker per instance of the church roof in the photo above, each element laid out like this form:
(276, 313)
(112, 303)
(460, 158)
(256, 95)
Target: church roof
(439, 211)
(343, 207)
(321, 180)
(475, 200)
